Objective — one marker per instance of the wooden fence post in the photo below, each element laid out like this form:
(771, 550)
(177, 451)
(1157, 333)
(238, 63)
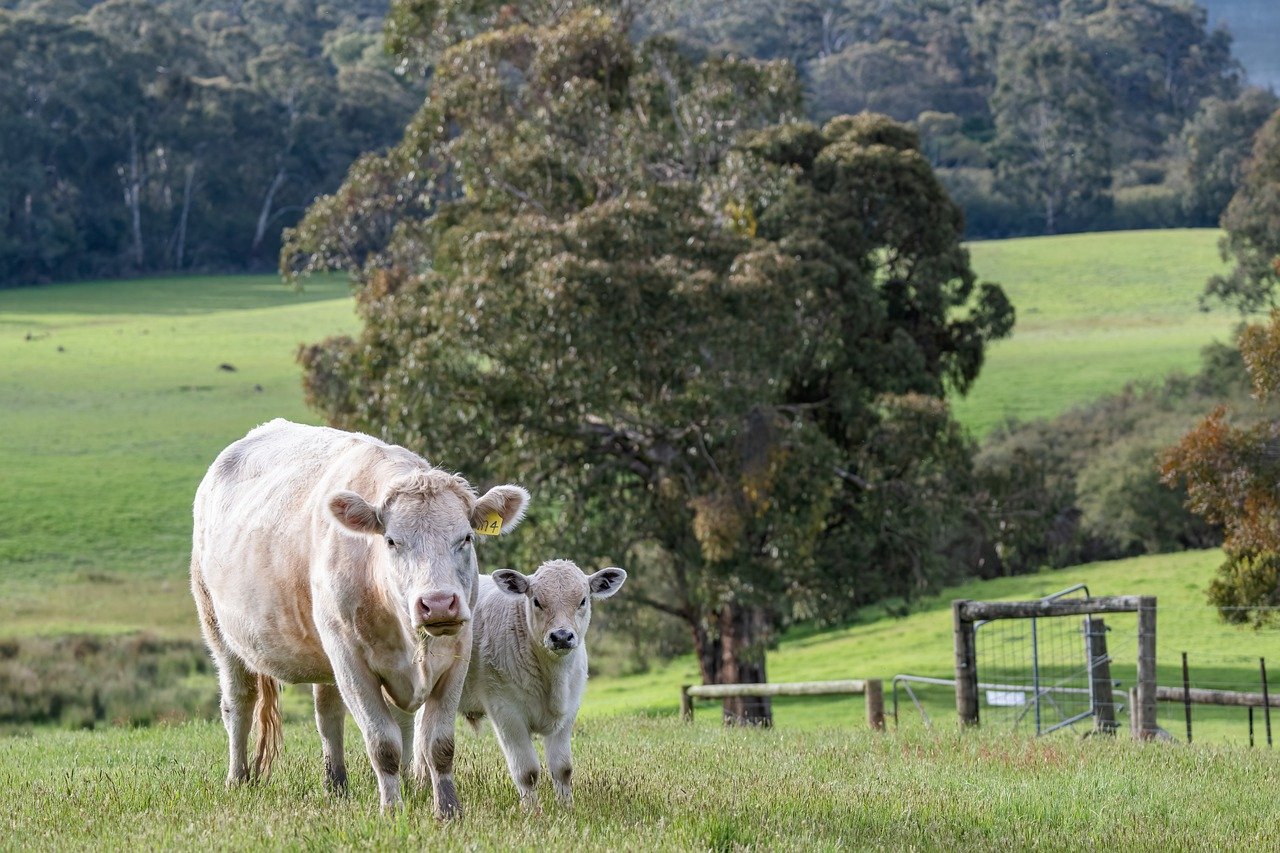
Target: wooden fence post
(686, 704)
(1104, 703)
(1135, 726)
(875, 704)
(1147, 726)
(966, 666)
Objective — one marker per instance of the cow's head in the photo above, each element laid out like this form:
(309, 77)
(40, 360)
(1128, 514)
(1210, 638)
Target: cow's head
(558, 601)
(426, 528)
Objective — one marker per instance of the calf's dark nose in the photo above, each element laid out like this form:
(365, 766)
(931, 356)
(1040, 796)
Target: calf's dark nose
(562, 638)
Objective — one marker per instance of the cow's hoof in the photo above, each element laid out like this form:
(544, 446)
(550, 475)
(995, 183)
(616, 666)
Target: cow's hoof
(449, 811)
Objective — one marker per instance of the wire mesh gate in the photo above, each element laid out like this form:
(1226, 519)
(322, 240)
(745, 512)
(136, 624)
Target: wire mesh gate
(1043, 667)
(1038, 672)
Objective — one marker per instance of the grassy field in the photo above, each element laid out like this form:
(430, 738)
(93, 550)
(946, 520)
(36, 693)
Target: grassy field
(1095, 311)
(113, 400)
(645, 784)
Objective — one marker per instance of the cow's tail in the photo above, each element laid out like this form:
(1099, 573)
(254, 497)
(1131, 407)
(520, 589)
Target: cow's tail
(270, 732)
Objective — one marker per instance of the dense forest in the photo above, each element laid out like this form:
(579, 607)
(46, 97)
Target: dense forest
(1040, 115)
(181, 135)
(143, 136)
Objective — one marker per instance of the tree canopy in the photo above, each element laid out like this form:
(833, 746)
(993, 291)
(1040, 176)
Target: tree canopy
(141, 136)
(713, 336)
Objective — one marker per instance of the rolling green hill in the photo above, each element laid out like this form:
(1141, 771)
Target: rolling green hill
(115, 397)
(1094, 312)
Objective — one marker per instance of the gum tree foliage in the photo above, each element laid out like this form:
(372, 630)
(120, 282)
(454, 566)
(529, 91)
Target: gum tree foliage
(712, 339)
(1211, 151)
(1252, 223)
(1051, 115)
(1230, 471)
(179, 135)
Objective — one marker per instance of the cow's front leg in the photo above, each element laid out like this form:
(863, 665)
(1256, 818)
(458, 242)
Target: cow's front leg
(405, 721)
(560, 762)
(522, 759)
(330, 715)
(362, 692)
(435, 728)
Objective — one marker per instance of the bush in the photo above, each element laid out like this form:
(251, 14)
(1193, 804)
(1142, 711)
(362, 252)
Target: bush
(81, 681)
(1247, 588)
(1086, 485)
(1147, 206)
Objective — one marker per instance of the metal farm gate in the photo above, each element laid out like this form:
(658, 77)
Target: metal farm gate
(1043, 665)
(1037, 674)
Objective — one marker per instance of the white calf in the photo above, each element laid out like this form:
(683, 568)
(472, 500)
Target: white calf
(529, 664)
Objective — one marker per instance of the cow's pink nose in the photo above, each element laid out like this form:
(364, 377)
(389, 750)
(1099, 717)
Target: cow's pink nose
(438, 607)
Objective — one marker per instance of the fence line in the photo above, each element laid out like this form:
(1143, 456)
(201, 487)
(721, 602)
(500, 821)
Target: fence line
(872, 688)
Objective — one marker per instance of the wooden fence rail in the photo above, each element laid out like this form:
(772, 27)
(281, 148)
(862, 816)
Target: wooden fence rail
(1200, 696)
(872, 688)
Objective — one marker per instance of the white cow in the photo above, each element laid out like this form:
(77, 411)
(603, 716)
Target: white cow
(529, 664)
(333, 558)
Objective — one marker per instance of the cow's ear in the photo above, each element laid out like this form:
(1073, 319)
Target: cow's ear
(510, 582)
(606, 582)
(500, 510)
(355, 513)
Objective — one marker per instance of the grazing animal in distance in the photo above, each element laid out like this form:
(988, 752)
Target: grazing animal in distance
(334, 558)
(529, 665)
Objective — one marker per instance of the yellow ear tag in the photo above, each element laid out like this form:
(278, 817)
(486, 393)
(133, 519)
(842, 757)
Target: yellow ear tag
(492, 524)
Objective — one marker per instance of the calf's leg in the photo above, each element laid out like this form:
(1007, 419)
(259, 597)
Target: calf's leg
(330, 716)
(522, 759)
(560, 762)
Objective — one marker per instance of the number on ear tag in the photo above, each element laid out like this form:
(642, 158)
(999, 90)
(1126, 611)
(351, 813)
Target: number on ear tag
(491, 525)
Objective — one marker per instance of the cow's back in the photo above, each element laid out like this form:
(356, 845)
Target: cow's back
(261, 529)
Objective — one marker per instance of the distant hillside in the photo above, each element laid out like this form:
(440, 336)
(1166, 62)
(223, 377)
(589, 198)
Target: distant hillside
(1255, 27)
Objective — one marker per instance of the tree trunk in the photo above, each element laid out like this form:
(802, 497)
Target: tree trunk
(733, 652)
(182, 219)
(264, 215)
(133, 194)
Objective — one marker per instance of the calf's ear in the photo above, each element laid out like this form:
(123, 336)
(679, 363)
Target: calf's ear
(510, 582)
(355, 513)
(500, 510)
(606, 582)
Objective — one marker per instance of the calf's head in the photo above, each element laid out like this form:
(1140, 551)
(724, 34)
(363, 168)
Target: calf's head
(425, 530)
(557, 601)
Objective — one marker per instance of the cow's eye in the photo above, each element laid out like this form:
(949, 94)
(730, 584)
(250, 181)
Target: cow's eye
(391, 543)
(582, 603)
(537, 604)
(467, 541)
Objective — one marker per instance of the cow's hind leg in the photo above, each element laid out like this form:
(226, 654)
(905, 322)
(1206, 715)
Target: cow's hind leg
(330, 716)
(239, 695)
(238, 686)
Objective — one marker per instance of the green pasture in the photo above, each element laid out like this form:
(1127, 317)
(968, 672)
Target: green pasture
(113, 402)
(1094, 313)
(654, 784)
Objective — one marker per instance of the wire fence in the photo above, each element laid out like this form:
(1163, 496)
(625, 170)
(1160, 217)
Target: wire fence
(1221, 656)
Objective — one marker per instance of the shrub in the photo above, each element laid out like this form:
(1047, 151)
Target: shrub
(82, 681)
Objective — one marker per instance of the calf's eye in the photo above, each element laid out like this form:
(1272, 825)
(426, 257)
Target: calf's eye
(391, 543)
(583, 602)
(537, 604)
